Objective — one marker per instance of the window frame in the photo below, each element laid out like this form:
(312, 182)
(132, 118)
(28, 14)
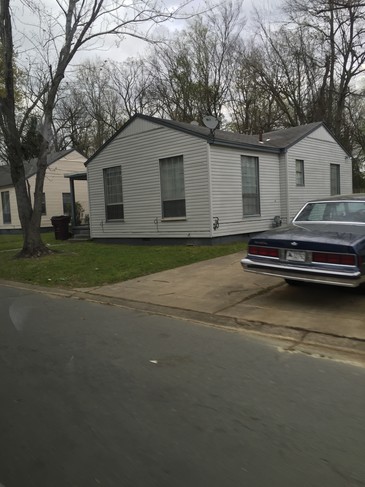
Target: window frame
(257, 193)
(173, 208)
(299, 174)
(4, 194)
(337, 167)
(107, 194)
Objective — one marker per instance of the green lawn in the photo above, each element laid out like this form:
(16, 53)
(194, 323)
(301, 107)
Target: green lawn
(88, 264)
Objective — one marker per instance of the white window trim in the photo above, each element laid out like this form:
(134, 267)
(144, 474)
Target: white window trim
(173, 217)
(301, 173)
(258, 193)
(106, 205)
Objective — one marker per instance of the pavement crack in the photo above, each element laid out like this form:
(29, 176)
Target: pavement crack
(259, 292)
(305, 331)
(297, 343)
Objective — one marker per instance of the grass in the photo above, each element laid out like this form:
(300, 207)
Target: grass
(89, 264)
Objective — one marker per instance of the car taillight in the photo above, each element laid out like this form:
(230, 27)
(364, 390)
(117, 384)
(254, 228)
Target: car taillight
(264, 251)
(329, 258)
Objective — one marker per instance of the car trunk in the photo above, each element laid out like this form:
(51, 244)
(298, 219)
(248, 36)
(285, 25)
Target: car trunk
(328, 237)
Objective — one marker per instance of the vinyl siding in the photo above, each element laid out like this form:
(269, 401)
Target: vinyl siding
(138, 150)
(321, 134)
(54, 185)
(226, 190)
(213, 184)
(136, 127)
(318, 151)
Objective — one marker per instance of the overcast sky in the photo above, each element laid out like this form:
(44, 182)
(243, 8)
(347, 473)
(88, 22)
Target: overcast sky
(130, 46)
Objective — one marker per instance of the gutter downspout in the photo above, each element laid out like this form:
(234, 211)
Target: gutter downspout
(287, 188)
(73, 202)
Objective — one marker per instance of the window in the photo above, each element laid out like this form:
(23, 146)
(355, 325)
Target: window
(299, 172)
(172, 187)
(335, 179)
(66, 203)
(114, 209)
(5, 203)
(250, 185)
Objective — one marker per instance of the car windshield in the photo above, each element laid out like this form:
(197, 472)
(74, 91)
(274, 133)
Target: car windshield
(333, 211)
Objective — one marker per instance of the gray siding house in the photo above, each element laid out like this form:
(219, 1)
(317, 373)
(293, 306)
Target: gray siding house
(161, 179)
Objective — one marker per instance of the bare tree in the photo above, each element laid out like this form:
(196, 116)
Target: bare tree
(174, 85)
(339, 28)
(98, 99)
(88, 103)
(286, 66)
(71, 121)
(62, 34)
(132, 81)
(193, 74)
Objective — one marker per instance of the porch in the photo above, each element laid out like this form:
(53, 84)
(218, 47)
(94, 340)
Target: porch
(80, 228)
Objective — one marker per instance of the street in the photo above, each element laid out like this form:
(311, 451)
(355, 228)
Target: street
(95, 395)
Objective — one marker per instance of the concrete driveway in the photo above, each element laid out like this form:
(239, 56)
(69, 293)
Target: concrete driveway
(219, 291)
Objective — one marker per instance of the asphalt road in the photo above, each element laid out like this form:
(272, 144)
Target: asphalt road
(92, 395)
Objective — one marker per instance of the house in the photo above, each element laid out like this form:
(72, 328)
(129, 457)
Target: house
(179, 182)
(57, 198)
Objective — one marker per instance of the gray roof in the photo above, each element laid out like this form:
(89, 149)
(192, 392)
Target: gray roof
(30, 167)
(285, 138)
(272, 141)
(277, 141)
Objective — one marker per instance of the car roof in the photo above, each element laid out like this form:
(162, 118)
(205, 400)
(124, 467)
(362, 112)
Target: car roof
(341, 197)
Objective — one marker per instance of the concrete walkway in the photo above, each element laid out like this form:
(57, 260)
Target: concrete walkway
(219, 291)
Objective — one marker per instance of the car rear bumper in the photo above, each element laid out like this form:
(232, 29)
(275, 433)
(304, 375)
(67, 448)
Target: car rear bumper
(347, 278)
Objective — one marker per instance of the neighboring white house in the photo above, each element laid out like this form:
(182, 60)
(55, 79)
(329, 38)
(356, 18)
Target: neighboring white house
(57, 198)
(160, 179)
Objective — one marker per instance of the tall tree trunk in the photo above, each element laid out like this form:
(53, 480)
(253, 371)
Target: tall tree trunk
(29, 217)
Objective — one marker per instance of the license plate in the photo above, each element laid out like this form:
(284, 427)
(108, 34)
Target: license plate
(295, 255)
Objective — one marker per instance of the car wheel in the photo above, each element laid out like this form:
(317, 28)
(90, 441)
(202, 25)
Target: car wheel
(360, 289)
(293, 282)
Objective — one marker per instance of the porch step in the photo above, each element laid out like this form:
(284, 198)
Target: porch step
(80, 233)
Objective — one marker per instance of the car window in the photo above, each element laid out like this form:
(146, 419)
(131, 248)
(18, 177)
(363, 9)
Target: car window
(336, 211)
(312, 212)
(356, 211)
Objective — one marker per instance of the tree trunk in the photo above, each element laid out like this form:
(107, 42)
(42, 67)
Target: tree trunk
(29, 218)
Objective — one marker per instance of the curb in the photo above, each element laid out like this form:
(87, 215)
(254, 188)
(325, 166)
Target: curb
(297, 339)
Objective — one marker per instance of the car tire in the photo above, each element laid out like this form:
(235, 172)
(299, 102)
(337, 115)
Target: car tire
(293, 282)
(360, 289)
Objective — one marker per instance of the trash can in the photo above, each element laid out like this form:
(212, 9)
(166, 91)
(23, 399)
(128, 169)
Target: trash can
(60, 225)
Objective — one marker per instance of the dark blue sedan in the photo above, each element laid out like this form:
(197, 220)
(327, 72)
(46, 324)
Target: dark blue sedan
(325, 243)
